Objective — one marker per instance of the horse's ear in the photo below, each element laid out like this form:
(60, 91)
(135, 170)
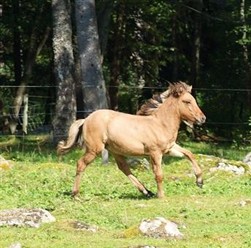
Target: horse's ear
(178, 91)
(189, 89)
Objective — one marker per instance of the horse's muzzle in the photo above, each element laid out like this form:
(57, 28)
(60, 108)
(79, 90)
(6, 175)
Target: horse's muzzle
(201, 120)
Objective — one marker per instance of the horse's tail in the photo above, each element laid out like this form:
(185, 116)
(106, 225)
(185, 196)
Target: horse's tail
(73, 137)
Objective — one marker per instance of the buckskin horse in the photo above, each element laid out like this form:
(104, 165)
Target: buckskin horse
(152, 135)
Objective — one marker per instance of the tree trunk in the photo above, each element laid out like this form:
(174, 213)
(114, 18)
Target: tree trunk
(25, 114)
(65, 111)
(79, 92)
(247, 64)
(34, 49)
(116, 56)
(17, 69)
(92, 81)
(103, 18)
(16, 43)
(175, 46)
(195, 68)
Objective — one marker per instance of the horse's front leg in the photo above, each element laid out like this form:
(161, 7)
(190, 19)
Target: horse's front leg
(178, 151)
(156, 160)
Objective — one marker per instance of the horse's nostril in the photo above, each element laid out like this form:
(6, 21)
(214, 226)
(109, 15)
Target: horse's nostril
(203, 119)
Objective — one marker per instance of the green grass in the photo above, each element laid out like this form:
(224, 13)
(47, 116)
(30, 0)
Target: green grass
(212, 216)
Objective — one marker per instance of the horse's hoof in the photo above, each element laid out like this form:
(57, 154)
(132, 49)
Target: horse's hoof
(74, 194)
(200, 184)
(150, 194)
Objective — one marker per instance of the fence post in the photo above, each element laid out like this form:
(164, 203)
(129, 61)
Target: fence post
(25, 114)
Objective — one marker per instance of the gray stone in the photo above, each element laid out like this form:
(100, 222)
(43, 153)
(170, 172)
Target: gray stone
(105, 156)
(244, 203)
(238, 170)
(135, 162)
(247, 159)
(160, 228)
(79, 225)
(22, 217)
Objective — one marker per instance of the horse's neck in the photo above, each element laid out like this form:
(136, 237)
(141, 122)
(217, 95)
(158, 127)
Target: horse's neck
(168, 114)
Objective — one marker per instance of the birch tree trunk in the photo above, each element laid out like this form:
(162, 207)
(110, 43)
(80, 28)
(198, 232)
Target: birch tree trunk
(65, 110)
(92, 81)
(35, 47)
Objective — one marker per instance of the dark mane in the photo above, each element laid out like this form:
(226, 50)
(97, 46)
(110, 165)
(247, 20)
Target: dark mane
(174, 89)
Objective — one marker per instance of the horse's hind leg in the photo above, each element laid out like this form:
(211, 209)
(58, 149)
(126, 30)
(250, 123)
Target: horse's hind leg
(178, 151)
(124, 167)
(81, 165)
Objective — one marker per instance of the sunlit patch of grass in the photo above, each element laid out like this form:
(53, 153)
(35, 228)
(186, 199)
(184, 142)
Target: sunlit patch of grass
(212, 215)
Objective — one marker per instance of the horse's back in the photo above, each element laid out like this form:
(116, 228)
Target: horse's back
(101, 116)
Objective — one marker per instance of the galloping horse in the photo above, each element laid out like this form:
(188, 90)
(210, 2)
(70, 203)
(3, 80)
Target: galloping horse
(136, 135)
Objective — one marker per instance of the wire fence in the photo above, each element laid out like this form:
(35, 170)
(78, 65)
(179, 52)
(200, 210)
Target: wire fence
(41, 107)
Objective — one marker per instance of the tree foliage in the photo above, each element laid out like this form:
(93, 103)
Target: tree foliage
(144, 45)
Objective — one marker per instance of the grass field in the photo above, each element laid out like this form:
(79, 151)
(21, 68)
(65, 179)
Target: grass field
(209, 217)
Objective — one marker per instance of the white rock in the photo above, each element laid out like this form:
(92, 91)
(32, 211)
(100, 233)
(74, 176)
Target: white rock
(160, 228)
(15, 245)
(238, 170)
(247, 159)
(25, 217)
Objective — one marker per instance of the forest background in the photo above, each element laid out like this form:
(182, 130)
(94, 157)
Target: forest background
(69, 58)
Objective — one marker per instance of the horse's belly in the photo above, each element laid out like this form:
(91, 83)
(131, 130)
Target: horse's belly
(125, 147)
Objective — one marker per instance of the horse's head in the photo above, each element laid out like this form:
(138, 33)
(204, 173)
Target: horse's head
(189, 110)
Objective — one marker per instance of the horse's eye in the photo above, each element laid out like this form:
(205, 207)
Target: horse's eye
(186, 101)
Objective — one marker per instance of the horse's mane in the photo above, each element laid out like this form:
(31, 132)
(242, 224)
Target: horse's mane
(174, 89)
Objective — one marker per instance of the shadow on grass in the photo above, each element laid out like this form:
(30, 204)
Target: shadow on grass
(106, 197)
(66, 193)
(136, 197)
(124, 195)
